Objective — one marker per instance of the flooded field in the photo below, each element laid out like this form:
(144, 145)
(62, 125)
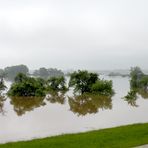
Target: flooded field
(27, 118)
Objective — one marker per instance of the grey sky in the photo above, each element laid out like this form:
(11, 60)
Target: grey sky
(87, 34)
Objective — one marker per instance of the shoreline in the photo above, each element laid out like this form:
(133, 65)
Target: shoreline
(122, 136)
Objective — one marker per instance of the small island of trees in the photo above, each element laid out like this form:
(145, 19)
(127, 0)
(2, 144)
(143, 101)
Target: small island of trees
(85, 82)
(81, 81)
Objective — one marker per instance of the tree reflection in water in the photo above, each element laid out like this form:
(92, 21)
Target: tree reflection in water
(143, 93)
(2, 100)
(132, 96)
(24, 104)
(56, 97)
(89, 103)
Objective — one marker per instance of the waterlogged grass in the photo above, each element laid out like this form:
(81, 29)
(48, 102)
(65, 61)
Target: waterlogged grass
(119, 137)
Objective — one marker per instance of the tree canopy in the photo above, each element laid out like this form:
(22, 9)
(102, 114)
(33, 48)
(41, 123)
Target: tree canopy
(27, 86)
(57, 84)
(83, 81)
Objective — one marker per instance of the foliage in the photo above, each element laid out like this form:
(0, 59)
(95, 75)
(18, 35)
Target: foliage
(83, 81)
(136, 74)
(11, 72)
(144, 82)
(103, 87)
(117, 137)
(27, 86)
(57, 83)
(143, 93)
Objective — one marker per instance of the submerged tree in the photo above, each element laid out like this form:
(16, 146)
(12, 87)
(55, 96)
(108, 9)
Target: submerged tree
(136, 75)
(144, 83)
(83, 81)
(57, 84)
(103, 87)
(27, 86)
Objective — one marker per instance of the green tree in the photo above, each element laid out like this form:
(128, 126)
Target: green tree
(103, 87)
(136, 74)
(27, 86)
(82, 81)
(57, 83)
(144, 82)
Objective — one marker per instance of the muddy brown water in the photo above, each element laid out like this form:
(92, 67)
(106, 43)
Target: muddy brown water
(28, 118)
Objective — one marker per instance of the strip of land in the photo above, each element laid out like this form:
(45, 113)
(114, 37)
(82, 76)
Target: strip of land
(118, 137)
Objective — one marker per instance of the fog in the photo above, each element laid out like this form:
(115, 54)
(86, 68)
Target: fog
(80, 34)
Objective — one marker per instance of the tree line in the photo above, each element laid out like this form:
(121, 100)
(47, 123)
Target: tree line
(81, 81)
(9, 73)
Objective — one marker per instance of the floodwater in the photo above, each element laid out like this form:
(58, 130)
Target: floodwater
(28, 118)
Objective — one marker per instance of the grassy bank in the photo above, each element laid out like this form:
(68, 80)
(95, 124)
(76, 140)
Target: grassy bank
(124, 136)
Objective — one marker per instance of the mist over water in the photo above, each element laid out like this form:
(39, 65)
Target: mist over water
(82, 34)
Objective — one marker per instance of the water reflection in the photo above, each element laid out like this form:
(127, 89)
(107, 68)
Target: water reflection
(22, 105)
(89, 103)
(2, 100)
(143, 93)
(56, 97)
(132, 96)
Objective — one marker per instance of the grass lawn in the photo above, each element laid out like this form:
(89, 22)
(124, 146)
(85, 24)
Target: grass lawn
(119, 137)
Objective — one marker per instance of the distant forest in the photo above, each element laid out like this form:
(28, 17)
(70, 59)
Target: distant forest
(9, 73)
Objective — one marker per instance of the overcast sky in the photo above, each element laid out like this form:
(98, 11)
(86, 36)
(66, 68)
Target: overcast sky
(74, 34)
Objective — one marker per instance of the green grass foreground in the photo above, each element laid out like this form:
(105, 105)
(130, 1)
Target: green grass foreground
(119, 137)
